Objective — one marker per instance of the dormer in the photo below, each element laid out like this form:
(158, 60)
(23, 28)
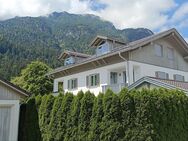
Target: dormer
(71, 57)
(103, 44)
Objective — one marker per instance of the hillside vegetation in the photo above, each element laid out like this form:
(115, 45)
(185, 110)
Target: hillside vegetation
(156, 115)
(24, 39)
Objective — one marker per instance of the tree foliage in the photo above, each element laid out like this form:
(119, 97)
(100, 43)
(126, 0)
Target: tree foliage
(33, 79)
(27, 39)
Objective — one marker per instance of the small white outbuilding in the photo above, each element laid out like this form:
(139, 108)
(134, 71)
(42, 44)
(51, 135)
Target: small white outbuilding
(10, 96)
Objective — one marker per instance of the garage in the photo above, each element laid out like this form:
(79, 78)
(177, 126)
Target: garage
(10, 97)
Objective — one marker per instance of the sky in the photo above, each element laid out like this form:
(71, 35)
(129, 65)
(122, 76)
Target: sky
(157, 15)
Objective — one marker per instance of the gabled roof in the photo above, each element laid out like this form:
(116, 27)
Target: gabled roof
(132, 46)
(165, 83)
(14, 87)
(99, 39)
(73, 53)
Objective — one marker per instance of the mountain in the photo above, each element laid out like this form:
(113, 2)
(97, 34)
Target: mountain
(24, 39)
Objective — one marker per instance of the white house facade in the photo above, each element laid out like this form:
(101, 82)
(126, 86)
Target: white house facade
(117, 64)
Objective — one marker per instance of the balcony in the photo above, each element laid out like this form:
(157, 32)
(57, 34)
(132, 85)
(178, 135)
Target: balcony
(116, 88)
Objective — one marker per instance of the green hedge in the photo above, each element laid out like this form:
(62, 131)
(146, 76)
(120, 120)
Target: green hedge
(156, 115)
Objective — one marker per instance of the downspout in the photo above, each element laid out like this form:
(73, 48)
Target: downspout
(127, 67)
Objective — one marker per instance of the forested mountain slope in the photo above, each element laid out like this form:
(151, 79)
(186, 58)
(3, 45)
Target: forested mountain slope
(24, 39)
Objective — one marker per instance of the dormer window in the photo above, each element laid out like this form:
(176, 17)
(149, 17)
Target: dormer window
(72, 57)
(105, 44)
(70, 60)
(103, 49)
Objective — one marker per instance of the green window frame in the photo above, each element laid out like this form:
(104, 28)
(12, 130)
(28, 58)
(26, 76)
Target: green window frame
(93, 80)
(72, 83)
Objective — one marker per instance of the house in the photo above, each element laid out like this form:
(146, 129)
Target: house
(117, 64)
(154, 82)
(10, 96)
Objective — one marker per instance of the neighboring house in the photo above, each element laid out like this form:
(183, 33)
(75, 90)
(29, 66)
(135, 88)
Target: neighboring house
(117, 64)
(153, 82)
(10, 96)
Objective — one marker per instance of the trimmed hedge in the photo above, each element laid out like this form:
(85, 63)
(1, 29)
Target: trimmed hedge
(147, 115)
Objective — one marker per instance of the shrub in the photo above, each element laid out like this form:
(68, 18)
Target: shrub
(149, 115)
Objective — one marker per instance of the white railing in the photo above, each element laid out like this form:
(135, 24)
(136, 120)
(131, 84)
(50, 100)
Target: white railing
(116, 88)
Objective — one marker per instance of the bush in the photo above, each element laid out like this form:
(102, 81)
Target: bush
(149, 115)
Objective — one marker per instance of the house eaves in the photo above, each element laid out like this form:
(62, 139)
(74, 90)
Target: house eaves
(98, 39)
(14, 87)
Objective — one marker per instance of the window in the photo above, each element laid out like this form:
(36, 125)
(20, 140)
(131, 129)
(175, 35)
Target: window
(102, 49)
(178, 77)
(170, 54)
(92, 80)
(69, 60)
(158, 50)
(113, 77)
(161, 75)
(73, 83)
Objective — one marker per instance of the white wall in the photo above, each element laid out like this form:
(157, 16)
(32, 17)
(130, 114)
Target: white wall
(149, 70)
(104, 78)
(140, 69)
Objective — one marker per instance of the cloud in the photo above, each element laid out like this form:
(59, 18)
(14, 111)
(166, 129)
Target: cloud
(152, 14)
(137, 13)
(181, 12)
(12, 8)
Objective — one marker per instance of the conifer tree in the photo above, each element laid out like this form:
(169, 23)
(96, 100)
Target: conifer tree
(85, 115)
(38, 100)
(111, 122)
(55, 117)
(97, 115)
(72, 122)
(63, 115)
(29, 129)
(44, 115)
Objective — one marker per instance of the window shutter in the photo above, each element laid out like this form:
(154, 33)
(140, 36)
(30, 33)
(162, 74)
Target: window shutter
(76, 83)
(98, 79)
(68, 84)
(87, 81)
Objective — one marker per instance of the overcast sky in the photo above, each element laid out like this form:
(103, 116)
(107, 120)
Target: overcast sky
(156, 15)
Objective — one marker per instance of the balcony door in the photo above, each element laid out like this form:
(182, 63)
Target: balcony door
(113, 77)
(124, 77)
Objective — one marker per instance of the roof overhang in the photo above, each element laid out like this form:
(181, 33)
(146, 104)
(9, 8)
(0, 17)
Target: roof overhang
(99, 39)
(71, 53)
(14, 87)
